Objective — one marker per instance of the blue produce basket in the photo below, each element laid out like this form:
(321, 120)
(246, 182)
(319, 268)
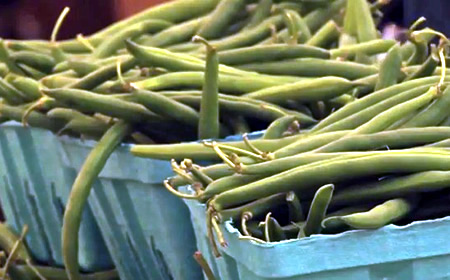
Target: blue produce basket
(34, 187)
(417, 251)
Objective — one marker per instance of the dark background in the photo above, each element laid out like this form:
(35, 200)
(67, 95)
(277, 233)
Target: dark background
(34, 19)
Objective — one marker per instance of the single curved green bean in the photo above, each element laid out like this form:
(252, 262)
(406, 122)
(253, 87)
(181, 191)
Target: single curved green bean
(379, 216)
(57, 81)
(392, 187)
(167, 107)
(39, 61)
(305, 91)
(273, 52)
(317, 211)
(107, 105)
(111, 45)
(312, 67)
(219, 19)
(313, 174)
(278, 127)
(81, 67)
(390, 69)
(81, 188)
(420, 53)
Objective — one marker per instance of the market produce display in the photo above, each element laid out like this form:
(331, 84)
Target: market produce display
(356, 126)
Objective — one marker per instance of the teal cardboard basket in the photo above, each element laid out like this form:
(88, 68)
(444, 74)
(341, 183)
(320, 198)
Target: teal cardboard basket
(34, 187)
(418, 251)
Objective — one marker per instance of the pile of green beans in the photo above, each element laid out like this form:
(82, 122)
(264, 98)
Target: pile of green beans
(379, 153)
(343, 110)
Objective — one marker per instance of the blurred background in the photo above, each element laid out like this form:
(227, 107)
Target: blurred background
(34, 19)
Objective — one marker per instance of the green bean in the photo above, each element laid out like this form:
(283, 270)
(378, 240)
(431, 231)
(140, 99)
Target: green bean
(345, 40)
(313, 67)
(250, 36)
(198, 151)
(208, 124)
(8, 240)
(365, 26)
(279, 127)
(327, 34)
(107, 105)
(392, 187)
(103, 74)
(426, 69)
(368, 113)
(274, 52)
(295, 208)
(167, 107)
(297, 28)
(82, 68)
(111, 45)
(175, 34)
(51, 273)
(393, 139)
(81, 188)
(317, 18)
(35, 119)
(350, 25)
(379, 216)
(261, 12)
(78, 122)
(306, 91)
(369, 48)
(373, 99)
(227, 183)
(309, 143)
(227, 83)
(314, 174)
(155, 57)
(42, 62)
(245, 106)
(420, 53)
(57, 81)
(5, 57)
(10, 94)
(257, 207)
(220, 18)
(27, 86)
(317, 211)
(434, 114)
(174, 11)
(390, 69)
(390, 116)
